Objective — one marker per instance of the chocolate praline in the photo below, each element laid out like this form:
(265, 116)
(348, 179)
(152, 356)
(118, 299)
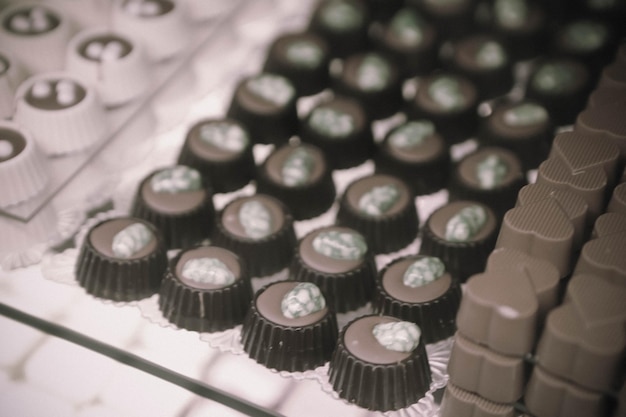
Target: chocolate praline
(432, 306)
(295, 173)
(265, 104)
(287, 344)
(341, 128)
(104, 274)
(364, 372)
(415, 152)
(452, 18)
(339, 261)
(466, 256)
(382, 208)
(301, 57)
(184, 216)
(259, 228)
(199, 305)
(373, 80)
(221, 149)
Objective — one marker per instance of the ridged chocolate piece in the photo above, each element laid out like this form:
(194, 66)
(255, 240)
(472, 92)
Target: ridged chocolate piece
(373, 80)
(393, 223)
(385, 380)
(543, 276)
(511, 125)
(454, 121)
(423, 165)
(343, 24)
(341, 129)
(224, 166)
(311, 193)
(264, 255)
(104, 275)
(473, 178)
(549, 396)
(303, 58)
(609, 223)
(541, 230)
(184, 218)
(466, 258)
(347, 284)
(581, 151)
(205, 307)
(604, 257)
(266, 104)
(617, 203)
(606, 95)
(484, 60)
(562, 86)
(433, 306)
(590, 184)
(572, 204)
(583, 340)
(613, 77)
(292, 345)
(408, 39)
(494, 377)
(458, 402)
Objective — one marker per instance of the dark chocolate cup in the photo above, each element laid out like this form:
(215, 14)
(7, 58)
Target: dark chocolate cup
(223, 175)
(304, 201)
(379, 387)
(121, 279)
(500, 198)
(462, 259)
(180, 230)
(345, 291)
(264, 256)
(288, 348)
(204, 310)
(436, 318)
(271, 126)
(307, 80)
(386, 233)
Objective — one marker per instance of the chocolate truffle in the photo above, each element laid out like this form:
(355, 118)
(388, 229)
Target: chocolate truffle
(490, 175)
(450, 102)
(524, 127)
(409, 40)
(301, 57)
(418, 289)
(265, 104)
(380, 363)
(122, 259)
(484, 60)
(63, 114)
(341, 129)
(221, 149)
(561, 85)
(115, 64)
(259, 228)
(524, 26)
(452, 17)
(24, 172)
(462, 234)
(205, 289)
(289, 327)
(176, 201)
(160, 25)
(416, 153)
(31, 31)
(343, 24)
(300, 177)
(339, 261)
(373, 80)
(382, 208)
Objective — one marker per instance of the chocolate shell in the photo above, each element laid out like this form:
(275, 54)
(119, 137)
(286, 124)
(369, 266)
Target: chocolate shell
(201, 306)
(283, 343)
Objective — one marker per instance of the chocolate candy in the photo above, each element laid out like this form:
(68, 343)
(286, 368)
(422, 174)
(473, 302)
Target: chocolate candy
(604, 257)
(609, 223)
(605, 121)
(617, 203)
(459, 402)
